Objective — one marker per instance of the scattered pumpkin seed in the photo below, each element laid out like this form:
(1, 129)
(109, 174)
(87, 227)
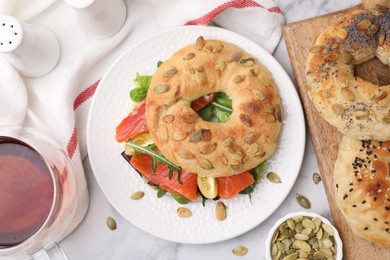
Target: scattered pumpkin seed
(316, 177)
(205, 164)
(346, 57)
(111, 223)
(170, 72)
(338, 109)
(189, 56)
(303, 201)
(379, 96)
(247, 62)
(347, 94)
(234, 56)
(240, 250)
(183, 212)
(220, 211)
(273, 177)
(186, 155)
(137, 195)
(363, 25)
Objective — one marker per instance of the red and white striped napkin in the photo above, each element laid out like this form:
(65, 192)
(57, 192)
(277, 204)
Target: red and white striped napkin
(58, 102)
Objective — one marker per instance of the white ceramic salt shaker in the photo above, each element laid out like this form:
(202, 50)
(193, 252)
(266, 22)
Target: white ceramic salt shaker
(32, 49)
(99, 18)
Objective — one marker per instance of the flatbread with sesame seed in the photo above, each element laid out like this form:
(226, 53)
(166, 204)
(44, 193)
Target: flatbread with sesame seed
(362, 187)
(357, 108)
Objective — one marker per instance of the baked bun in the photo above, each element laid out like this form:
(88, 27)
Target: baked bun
(209, 148)
(362, 187)
(357, 108)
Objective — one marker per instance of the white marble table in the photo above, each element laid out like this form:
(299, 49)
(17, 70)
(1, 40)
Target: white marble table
(94, 240)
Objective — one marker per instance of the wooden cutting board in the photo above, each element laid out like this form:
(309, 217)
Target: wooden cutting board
(299, 37)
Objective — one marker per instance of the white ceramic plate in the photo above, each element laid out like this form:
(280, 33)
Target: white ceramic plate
(111, 103)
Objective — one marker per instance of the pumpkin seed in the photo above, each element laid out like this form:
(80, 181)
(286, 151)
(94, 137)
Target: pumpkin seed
(317, 48)
(234, 56)
(259, 95)
(220, 211)
(327, 229)
(372, 30)
(189, 56)
(228, 141)
(291, 256)
(170, 72)
(195, 136)
(247, 62)
(183, 212)
(278, 113)
(302, 245)
(291, 224)
(307, 231)
(137, 195)
(235, 165)
(208, 48)
(238, 79)
(379, 96)
(316, 178)
(260, 154)
(163, 133)
(346, 57)
(168, 119)
(218, 48)
(303, 201)
(200, 42)
(254, 72)
(189, 117)
(253, 148)
(331, 57)
(179, 135)
(342, 33)
(273, 177)
(235, 149)
(363, 25)
(205, 135)
(186, 155)
(201, 78)
(223, 159)
(205, 164)
(160, 89)
(319, 255)
(274, 249)
(208, 148)
(251, 137)
(246, 120)
(220, 66)
(338, 109)
(240, 250)
(111, 223)
(347, 94)
(377, 13)
(269, 118)
(301, 237)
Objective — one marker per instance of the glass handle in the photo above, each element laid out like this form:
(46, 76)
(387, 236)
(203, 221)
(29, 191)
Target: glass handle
(52, 251)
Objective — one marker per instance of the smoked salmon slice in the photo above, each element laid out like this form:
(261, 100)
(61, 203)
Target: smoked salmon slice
(188, 188)
(229, 187)
(132, 125)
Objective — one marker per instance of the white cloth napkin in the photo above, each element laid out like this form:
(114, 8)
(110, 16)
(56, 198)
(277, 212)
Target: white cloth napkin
(58, 102)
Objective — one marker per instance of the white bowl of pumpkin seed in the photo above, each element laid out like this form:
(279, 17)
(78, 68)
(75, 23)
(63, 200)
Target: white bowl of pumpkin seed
(303, 235)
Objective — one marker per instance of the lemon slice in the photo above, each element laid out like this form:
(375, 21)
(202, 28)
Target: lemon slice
(208, 186)
(141, 140)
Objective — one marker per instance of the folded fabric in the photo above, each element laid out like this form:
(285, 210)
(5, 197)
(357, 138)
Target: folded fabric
(58, 102)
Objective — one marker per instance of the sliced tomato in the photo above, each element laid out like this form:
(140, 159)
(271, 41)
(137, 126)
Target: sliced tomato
(229, 187)
(188, 188)
(201, 102)
(132, 125)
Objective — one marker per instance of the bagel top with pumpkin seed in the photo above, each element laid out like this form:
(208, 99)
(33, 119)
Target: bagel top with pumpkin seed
(354, 106)
(362, 187)
(208, 148)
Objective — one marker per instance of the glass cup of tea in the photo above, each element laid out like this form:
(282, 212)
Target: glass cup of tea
(39, 193)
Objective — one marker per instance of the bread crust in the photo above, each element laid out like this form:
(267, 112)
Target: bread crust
(362, 187)
(209, 148)
(357, 108)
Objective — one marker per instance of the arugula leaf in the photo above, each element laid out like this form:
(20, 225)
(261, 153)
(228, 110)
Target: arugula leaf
(161, 193)
(257, 173)
(156, 157)
(206, 113)
(142, 85)
(223, 99)
(221, 115)
(179, 199)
